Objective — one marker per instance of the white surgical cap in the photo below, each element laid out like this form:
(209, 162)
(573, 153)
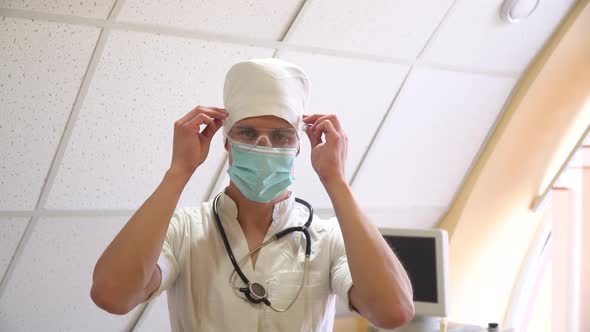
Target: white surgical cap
(265, 87)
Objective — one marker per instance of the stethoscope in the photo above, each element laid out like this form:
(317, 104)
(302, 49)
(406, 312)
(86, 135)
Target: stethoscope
(255, 292)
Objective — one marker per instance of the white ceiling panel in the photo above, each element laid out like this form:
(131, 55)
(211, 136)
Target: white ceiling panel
(381, 27)
(156, 317)
(52, 280)
(265, 19)
(11, 231)
(41, 67)
(474, 35)
(430, 139)
(86, 8)
(359, 93)
(121, 145)
(411, 217)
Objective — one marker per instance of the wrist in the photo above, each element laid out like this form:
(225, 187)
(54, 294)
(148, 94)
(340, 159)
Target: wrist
(335, 184)
(177, 177)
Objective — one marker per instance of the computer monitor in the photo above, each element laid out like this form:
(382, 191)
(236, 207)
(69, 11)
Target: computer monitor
(424, 255)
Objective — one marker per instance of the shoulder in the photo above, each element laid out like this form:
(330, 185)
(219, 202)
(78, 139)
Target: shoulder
(322, 227)
(191, 216)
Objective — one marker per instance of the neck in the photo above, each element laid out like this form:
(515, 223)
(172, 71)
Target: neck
(252, 214)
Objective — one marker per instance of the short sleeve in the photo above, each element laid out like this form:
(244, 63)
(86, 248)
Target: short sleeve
(340, 278)
(169, 256)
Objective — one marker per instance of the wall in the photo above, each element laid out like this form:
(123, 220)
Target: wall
(490, 223)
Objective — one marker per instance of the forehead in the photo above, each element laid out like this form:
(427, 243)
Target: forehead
(264, 121)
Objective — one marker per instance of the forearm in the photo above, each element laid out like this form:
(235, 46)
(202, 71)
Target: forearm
(128, 263)
(380, 281)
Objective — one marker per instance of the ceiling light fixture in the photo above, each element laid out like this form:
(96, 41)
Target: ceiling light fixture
(510, 15)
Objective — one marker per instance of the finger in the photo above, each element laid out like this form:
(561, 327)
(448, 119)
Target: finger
(310, 119)
(212, 128)
(212, 112)
(198, 120)
(316, 119)
(220, 109)
(332, 118)
(315, 136)
(332, 135)
(216, 113)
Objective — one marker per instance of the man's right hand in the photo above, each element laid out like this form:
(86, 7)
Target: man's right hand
(191, 145)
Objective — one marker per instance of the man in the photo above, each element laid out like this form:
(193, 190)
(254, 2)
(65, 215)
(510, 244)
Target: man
(289, 284)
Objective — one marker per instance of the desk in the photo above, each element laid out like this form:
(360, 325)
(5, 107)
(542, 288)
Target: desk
(451, 327)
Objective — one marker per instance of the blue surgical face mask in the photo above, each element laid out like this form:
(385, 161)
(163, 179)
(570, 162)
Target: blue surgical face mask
(261, 173)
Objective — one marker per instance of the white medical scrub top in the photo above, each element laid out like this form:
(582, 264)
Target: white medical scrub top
(196, 269)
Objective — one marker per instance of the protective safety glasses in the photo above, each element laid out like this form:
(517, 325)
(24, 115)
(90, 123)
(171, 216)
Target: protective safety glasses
(287, 138)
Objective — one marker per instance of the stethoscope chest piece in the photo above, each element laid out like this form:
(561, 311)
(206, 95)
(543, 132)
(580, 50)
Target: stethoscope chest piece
(257, 291)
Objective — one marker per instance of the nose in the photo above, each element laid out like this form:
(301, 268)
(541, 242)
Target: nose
(263, 140)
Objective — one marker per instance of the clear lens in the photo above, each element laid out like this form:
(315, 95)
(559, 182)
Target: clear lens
(270, 137)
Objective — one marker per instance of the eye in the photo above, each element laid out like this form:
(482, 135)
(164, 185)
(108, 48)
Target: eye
(283, 136)
(247, 132)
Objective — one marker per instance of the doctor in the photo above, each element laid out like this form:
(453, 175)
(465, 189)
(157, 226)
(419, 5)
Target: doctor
(255, 258)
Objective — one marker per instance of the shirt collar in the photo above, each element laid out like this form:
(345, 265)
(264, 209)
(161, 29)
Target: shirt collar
(228, 210)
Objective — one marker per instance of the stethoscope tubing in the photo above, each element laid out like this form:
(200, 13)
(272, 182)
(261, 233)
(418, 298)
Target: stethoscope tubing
(237, 269)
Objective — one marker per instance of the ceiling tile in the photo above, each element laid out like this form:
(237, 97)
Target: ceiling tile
(474, 35)
(42, 66)
(11, 231)
(86, 8)
(359, 93)
(121, 144)
(52, 279)
(430, 138)
(265, 19)
(411, 217)
(156, 317)
(381, 27)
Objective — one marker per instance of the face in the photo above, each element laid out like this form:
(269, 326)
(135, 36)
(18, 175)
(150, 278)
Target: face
(262, 179)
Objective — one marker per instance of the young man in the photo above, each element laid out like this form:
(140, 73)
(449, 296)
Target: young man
(200, 255)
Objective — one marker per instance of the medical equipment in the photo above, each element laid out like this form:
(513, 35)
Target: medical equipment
(255, 292)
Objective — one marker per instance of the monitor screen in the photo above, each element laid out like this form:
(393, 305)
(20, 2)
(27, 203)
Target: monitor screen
(418, 256)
